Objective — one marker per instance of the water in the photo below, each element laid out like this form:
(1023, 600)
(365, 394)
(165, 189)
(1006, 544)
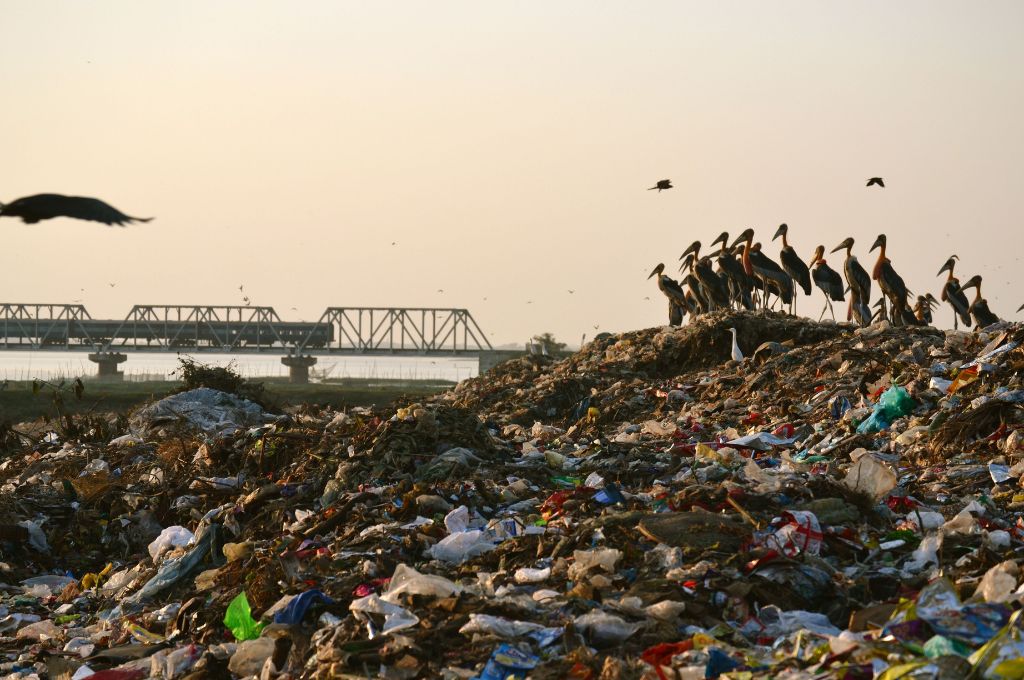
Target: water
(28, 365)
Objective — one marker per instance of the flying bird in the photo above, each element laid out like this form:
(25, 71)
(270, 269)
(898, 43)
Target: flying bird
(662, 185)
(246, 301)
(111, 284)
(32, 209)
(876, 180)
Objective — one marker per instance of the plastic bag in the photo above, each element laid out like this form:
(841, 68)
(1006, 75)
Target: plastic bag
(602, 627)
(894, 403)
(871, 476)
(239, 621)
(460, 547)
(498, 626)
(408, 580)
(170, 538)
(295, 611)
(508, 662)
(395, 618)
(585, 560)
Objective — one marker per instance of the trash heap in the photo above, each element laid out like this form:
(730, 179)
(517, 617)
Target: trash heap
(842, 503)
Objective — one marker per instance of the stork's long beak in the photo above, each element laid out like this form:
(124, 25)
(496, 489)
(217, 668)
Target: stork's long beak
(692, 248)
(879, 242)
(948, 267)
(843, 246)
(1021, 308)
(783, 228)
(973, 282)
(723, 238)
(746, 235)
(657, 270)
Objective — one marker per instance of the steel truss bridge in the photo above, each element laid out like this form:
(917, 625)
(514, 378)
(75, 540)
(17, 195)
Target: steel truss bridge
(408, 331)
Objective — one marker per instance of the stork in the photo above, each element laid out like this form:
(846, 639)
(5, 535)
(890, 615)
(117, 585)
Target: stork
(695, 294)
(890, 282)
(677, 304)
(755, 262)
(954, 295)
(793, 265)
(856, 278)
(740, 284)
(923, 308)
(779, 282)
(716, 292)
(983, 316)
(828, 280)
(32, 209)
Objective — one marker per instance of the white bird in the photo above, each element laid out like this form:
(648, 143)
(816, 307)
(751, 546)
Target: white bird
(737, 355)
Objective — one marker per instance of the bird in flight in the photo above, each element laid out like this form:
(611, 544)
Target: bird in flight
(32, 209)
(111, 284)
(571, 291)
(440, 290)
(662, 185)
(876, 180)
(241, 289)
(246, 300)
(394, 243)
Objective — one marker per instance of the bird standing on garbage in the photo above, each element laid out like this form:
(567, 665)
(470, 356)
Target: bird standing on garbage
(923, 308)
(32, 209)
(715, 291)
(954, 295)
(793, 265)
(677, 305)
(983, 316)
(737, 355)
(828, 280)
(891, 283)
(771, 276)
(662, 185)
(698, 302)
(859, 282)
(741, 285)
(876, 180)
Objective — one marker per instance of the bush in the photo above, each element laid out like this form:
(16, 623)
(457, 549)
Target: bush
(224, 378)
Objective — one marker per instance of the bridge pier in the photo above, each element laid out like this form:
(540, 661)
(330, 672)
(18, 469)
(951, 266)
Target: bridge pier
(107, 363)
(298, 368)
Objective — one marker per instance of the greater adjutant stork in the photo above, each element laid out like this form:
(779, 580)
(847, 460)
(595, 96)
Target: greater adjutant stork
(755, 263)
(954, 295)
(859, 282)
(923, 308)
(677, 304)
(792, 264)
(890, 282)
(741, 285)
(983, 316)
(714, 289)
(828, 280)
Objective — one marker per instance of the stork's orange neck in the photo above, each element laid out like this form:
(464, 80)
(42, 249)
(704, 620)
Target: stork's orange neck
(748, 267)
(878, 265)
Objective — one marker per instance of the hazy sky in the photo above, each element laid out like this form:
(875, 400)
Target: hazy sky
(505, 147)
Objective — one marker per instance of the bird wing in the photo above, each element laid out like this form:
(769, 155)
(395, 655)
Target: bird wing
(95, 210)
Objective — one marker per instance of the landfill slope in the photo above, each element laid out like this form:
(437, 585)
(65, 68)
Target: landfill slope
(840, 503)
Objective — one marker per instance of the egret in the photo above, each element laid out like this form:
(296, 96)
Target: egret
(737, 355)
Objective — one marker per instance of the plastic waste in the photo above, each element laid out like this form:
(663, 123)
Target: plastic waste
(170, 538)
(507, 662)
(238, 619)
(601, 627)
(295, 611)
(894, 403)
(457, 548)
(395, 618)
(872, 476)
(407, 580)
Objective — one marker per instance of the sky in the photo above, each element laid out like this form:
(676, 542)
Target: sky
(331, 153)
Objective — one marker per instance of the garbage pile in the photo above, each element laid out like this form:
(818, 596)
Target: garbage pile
(840, 503)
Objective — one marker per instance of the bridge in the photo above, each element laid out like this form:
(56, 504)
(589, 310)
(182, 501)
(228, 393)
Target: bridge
(233, 329)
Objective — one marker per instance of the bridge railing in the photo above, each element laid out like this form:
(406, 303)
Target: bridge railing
(235, 328)
(36, 324)
(409, 329)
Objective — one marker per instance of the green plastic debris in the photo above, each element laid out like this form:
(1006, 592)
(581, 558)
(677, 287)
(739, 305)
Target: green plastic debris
(894, 403)
(239, 621)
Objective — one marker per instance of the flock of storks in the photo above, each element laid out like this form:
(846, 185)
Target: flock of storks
(746, 278)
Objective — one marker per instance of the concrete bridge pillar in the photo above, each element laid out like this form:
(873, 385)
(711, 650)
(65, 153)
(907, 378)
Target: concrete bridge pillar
(107, 363)
(298, 368)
